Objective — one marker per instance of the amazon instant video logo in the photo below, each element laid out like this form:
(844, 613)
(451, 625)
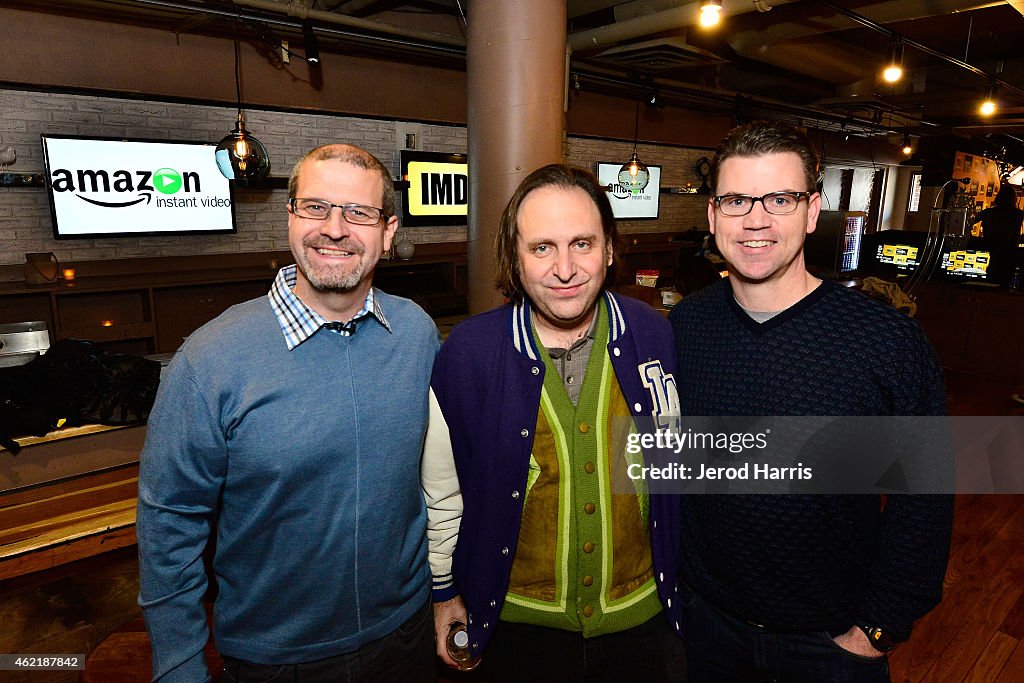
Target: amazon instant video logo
(121, 189)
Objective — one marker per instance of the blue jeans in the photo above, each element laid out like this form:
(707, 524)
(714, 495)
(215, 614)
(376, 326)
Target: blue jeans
(723, 649)
(406, 654)
(522, 653)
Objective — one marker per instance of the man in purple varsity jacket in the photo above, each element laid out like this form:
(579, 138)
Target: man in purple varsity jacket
(557, 576)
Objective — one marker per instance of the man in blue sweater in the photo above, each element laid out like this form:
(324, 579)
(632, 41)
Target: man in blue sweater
(798, 587)
(558, 576)
(288, 434)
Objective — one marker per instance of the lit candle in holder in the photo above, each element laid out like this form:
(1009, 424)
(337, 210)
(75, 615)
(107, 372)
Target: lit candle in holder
(69, 274)
(107, 323)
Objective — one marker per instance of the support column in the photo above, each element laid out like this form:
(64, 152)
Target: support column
(516, 81)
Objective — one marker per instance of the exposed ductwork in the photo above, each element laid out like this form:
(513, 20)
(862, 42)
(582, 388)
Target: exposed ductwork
(660, 54)
(300, 10)
(643, 25)
(797, 45)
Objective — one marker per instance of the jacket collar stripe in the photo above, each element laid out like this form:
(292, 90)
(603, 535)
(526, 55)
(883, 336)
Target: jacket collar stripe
(616, 322)
(522, 337)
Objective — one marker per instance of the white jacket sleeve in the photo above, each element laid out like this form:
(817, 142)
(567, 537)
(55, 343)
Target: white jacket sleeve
(443, 496)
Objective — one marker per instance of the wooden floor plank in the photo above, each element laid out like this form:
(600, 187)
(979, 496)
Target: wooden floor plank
(993, 659)
(1013, 625)
(947, 642)
(1013, 671)
(957, 634)
(976, 523)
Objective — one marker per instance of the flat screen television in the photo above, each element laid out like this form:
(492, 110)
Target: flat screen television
(902, 256)
(436, 188)
(966, 265)
(111, 187)
(626, 204)
(892, 252)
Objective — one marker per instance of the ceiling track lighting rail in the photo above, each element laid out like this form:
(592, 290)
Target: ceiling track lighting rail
(920, 47)
(814, 118)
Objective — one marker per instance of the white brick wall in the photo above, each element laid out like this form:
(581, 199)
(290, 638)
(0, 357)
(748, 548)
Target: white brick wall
(25, 224)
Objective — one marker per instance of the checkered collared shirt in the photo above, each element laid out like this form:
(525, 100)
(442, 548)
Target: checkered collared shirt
(299, 322)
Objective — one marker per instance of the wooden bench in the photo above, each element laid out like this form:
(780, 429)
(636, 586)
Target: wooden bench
(68, 496)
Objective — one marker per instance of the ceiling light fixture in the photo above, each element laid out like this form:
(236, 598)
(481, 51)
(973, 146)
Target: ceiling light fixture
(988, 105)
(240, 156)
(908, 149)
(894, 71)
(710, 12)
(633, 175)
(312, 47)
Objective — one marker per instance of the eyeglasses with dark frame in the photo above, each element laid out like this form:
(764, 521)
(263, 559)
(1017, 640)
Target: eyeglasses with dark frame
(775, 203)
(320, 210)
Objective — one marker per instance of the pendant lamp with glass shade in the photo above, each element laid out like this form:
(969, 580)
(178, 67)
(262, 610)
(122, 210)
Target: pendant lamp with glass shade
(633, 175)
(240, 156)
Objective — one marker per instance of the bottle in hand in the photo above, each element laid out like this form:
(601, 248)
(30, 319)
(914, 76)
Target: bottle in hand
(458, 647)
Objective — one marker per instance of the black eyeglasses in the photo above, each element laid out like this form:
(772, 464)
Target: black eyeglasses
(320, 210)
(776, 203)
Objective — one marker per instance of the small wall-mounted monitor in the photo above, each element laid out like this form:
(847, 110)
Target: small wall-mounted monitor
(436, 191)
(902, 256)
(111, 187)
(892, 252)
(626, 204)
(967, 265)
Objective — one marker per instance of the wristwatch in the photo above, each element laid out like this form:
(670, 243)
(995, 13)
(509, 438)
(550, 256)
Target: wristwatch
(880, 639)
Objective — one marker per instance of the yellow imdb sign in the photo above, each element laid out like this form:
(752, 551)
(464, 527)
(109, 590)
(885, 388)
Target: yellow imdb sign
(438, 189)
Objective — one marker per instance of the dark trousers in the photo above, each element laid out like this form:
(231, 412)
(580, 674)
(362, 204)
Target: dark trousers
(406, 655)
(648, 653)
(723, 649)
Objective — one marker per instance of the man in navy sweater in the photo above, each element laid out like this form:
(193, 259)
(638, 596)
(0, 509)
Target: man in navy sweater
(289, 431)
(558, 575)
(798, 587)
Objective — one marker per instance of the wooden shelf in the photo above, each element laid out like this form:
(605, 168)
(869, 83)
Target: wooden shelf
(109, 333)
(154, 303)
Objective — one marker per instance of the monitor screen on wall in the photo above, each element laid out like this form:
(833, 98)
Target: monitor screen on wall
(626, 204)
(966, 264)
(892, 252)
(436, 189)
(108, 187)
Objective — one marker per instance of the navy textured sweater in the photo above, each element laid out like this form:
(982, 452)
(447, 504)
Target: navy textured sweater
(802, 563)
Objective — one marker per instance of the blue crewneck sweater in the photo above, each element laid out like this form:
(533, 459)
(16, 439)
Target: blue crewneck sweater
(311, 459)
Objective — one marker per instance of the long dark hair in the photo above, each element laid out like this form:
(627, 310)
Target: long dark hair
(552, 175)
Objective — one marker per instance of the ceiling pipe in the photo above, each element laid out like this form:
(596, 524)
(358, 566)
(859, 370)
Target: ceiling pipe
(665, 20)
(299, 10)
(352, 6)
